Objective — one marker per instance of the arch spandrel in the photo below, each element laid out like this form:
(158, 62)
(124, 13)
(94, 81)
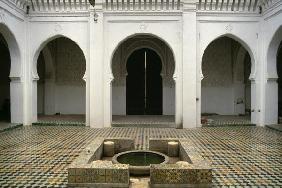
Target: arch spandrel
(126, 48)
(115, 45)
(240, 41)
(41, 46)
(272, 53)
(15, 55)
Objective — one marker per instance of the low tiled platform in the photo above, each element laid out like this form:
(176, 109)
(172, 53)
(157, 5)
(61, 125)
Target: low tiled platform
(147, 121)
(4, 126)
(241, 156)
(74, 120)
(277, 127)
(225, 120)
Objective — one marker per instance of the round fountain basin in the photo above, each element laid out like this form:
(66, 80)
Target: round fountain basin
(139, 161)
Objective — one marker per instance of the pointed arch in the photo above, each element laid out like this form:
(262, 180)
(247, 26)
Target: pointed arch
(272, 51)
(240, 41)
(42, 45)
(15, 54)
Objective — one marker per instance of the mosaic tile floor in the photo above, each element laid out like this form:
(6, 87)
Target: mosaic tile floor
(38, 156)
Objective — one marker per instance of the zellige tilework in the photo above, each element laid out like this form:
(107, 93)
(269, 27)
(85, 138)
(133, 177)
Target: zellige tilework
(39, 156)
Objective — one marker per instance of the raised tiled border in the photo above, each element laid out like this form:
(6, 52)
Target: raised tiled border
(58, 123)
(277, 127)
(83, 172)
(197, 172)
(11, 128)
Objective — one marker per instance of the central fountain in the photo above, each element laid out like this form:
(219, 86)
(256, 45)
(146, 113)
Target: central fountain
(140, 160)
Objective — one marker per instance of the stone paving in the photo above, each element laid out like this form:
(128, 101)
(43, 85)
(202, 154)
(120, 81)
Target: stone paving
(38, 156)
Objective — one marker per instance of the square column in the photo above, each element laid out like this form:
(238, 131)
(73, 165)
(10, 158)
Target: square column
(16, 98)
(271, 102)
(96, 115)
(189, 64)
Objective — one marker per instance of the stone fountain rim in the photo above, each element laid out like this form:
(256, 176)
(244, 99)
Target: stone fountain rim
(139, 170)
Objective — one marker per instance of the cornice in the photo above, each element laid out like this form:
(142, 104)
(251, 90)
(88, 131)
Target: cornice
(18, 14)
(61, 14)
(270, 12)
(227, 13)
(143, 13)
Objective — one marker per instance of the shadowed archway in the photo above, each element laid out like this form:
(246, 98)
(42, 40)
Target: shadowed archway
(226, 87)
(61, 90)
(139, 96)
(5, 64)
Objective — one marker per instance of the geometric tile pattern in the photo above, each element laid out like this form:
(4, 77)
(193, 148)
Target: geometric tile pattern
(38, 156)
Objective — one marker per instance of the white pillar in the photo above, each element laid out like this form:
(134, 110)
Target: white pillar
(254, 100)
(178, 96)
(96, 66)
(29, 83)
(16, 98)
(119, 96)
(271, 102)
(199, 85)
(33, 100)
(189, 64)
(87, 94)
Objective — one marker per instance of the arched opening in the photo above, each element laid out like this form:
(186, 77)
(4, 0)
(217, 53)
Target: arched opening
(5, 65)
(61, 89)
(143, 89)
(226, 88)
(279, 72)
(144, 83)
(273, 86)
(11, 91)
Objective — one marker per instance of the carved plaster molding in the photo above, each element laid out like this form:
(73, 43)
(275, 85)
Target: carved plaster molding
(143, 27)
(58, 28)
(229, 28)
(2, 16)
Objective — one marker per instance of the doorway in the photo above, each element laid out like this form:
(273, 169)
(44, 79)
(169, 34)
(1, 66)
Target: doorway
(144, 83)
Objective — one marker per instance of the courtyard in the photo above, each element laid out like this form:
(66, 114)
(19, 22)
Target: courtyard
(38, 156)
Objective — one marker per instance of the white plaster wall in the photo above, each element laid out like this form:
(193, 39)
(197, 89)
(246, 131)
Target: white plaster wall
(240, 28)
(218, 100)
(168, 100)
(119, 100)
(45, 30)
(70, 99)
